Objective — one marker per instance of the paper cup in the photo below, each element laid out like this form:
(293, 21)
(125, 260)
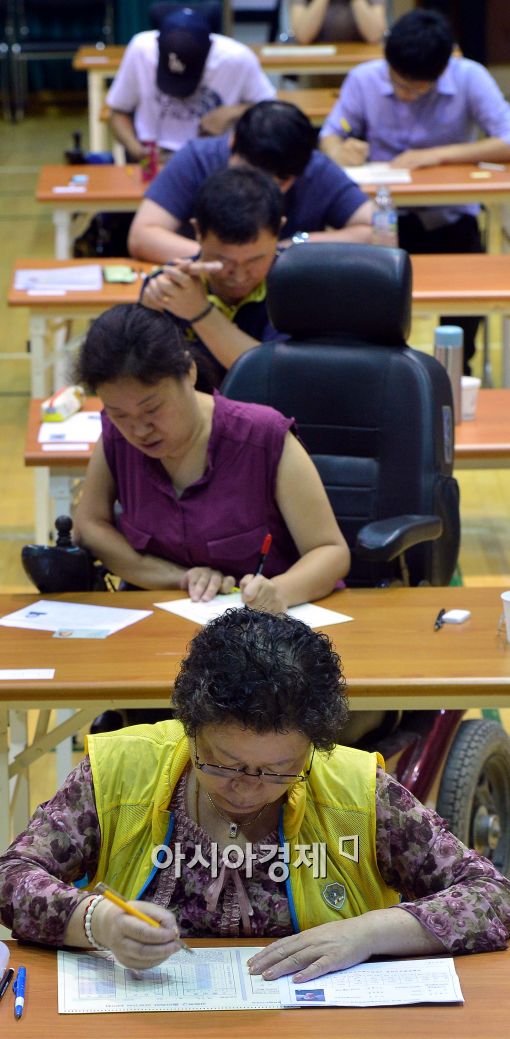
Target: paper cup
(506, 609)
(469, 389)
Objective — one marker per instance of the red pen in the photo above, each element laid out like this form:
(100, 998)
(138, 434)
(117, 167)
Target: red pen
(266, 545)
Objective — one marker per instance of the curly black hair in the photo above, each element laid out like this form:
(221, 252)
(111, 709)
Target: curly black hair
(265, 673)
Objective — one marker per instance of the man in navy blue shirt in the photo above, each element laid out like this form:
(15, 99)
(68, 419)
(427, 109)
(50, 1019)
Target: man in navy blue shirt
(320, 202)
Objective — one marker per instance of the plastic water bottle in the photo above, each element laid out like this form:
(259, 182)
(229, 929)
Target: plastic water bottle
(384, 219)
(449, 351)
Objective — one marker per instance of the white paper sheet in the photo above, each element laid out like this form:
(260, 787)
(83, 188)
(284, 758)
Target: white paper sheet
(26, 674)
(82, 428)
(66, 447)
(293, 51)
(378, 173)
(217, 979)
(47, 615)
(203, 612)
(88, 278)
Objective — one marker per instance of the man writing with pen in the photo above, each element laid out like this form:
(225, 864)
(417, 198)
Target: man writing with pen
(219, 296)
(422, 106)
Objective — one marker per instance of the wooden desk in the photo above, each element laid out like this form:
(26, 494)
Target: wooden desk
(483, 979)
(49, 315)
(466, 285)
(392, 657)
(100, 66)
(336, 59)
(121, 188)
(485, 442)
(54, 471)
(108, 188)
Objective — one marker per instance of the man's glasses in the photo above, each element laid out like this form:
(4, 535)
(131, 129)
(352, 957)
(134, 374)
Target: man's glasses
(225, 772)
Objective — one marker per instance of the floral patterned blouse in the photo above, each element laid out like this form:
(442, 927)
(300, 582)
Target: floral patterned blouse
(457, 895)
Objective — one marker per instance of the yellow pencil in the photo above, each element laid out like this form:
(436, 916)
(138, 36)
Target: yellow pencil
(118, 900)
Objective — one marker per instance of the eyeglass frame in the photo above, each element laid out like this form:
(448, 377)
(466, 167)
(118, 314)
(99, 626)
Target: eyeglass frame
(277, 778)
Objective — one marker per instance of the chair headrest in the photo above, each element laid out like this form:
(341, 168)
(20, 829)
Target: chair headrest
(335, 289)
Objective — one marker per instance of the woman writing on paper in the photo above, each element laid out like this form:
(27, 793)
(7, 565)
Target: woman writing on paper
(199, 479)
(245, 817)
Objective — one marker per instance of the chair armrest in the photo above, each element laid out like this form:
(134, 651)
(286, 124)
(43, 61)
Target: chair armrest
(385, 540)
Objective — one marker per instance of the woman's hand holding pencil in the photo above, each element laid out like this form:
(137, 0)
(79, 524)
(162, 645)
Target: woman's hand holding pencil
(140, 934)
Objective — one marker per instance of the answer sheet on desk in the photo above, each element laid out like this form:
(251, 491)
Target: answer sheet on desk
(212, 979)
(218, 979)
(203, 612)
(378, 173)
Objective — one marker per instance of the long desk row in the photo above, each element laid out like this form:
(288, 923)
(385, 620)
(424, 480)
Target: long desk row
(392, 657)
(120, 188)
(483, 979)
(441, 285)
(484, 443)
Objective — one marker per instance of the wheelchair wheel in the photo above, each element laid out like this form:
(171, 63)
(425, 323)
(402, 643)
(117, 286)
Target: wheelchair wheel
(474, 795)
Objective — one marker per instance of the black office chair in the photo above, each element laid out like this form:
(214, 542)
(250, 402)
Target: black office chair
(375, 415)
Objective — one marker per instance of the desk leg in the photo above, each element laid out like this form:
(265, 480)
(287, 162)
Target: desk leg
(38, 333)
(505, 380)
(495, 231)
(43, 522)
(64, 750)
(19, 801)
(5, 815)
(98, 141)
(62, 225)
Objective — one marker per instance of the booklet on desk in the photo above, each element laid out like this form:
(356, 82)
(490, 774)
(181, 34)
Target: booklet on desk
(83, 278)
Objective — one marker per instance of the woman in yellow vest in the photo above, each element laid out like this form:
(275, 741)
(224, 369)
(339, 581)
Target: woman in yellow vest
(245, 816)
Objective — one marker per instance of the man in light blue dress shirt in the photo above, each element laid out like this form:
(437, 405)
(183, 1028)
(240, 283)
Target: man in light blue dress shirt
(422, 107)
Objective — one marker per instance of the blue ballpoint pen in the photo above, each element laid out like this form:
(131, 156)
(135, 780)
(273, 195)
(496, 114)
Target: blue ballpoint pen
(19, 992)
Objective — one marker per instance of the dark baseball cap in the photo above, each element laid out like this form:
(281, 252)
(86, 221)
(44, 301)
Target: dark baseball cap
(184, 44)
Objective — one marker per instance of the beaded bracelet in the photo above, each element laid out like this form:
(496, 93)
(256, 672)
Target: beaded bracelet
(87, 922)
(203, 313)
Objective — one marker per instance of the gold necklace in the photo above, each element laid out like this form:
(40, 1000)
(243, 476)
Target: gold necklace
(233, 828)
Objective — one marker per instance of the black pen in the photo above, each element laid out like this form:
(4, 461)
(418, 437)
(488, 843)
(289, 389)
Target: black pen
(6, 981)
(438, 623)
(266, 545)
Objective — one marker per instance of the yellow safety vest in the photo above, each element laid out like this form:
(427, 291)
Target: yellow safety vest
(135, 772)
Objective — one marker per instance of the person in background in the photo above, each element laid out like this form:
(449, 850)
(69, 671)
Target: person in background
(252, 767)
(181, 82)
(183, 486)
(223, 311)
(320, 202)
(314, 21)
(419, 106)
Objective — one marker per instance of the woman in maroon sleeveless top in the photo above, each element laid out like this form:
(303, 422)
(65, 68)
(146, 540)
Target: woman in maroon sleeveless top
(183, 486)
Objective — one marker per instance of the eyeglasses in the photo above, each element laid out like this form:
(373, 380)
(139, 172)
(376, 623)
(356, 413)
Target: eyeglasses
(409, 87)
(225, 772)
